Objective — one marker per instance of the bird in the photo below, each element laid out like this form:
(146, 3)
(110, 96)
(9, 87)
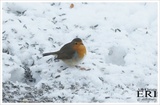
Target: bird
(71, 53)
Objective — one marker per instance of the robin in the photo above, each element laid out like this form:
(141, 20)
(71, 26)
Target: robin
(71, 53)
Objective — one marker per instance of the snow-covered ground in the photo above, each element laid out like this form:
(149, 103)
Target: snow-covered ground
(121, 42)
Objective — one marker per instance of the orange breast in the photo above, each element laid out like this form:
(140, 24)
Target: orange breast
(81, 50)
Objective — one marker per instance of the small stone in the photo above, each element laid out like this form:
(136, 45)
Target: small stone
(72, 5)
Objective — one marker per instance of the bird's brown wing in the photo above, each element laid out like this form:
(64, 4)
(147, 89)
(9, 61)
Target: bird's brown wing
(66, 52)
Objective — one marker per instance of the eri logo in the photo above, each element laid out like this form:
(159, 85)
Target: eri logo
(145, 94)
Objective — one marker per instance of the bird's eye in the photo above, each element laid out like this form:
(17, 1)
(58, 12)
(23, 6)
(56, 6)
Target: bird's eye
(76, 43)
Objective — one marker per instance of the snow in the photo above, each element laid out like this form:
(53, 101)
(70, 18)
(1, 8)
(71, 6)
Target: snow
(121, 42)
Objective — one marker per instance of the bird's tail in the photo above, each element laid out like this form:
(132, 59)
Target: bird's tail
(50, 53)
